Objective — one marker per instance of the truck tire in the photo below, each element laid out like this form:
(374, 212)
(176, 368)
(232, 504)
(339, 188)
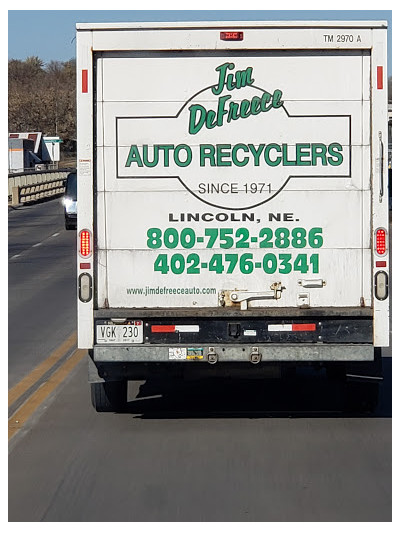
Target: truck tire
(109, 396)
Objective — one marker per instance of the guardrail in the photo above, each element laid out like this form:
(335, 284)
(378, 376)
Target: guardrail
(26, 187)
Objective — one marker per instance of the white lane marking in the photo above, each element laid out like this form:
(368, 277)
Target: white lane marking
(33, 246)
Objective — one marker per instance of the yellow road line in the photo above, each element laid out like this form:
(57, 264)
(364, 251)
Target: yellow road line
(20, 388)
(29, 407)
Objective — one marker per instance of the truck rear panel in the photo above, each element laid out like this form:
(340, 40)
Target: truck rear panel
(232, 188)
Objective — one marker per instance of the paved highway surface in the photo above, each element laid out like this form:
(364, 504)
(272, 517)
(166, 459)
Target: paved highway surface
(41, 274)
(258, 451)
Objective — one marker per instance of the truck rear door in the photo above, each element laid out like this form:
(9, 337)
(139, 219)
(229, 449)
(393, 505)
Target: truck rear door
(233, 178)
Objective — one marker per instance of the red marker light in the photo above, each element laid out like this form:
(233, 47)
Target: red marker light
(84, 81)
(231, 36)
(379, 77)
(380, 242)
(85, 248)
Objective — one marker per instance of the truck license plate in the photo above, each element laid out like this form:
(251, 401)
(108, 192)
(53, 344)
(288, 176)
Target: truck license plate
(120, 334)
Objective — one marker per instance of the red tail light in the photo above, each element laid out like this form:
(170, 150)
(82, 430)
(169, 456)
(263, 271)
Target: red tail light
(380, 242)
(85, 243)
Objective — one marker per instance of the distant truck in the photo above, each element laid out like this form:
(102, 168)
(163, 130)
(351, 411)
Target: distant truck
(233, 201)
(32, 151)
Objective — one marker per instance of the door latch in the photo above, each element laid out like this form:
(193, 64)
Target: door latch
(230, 298)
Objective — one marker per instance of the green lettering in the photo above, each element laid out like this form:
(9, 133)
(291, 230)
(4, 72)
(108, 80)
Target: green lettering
(276, 99)
(318, 151)
(134, 157)
(300, 153)
(286, 161)
(196, 122)
(265, 99)
(221, 80)
(146, 161)
(207, 151)
(229, 82)
(209, 119)
(256, 153)
(166, 148)
(255, 105)
(221, 154)
(243, 77)
(234, 155)
(233, 111)
(334, 150)
(267, 158)
(221, 109)
(188, 151)
(245, 109)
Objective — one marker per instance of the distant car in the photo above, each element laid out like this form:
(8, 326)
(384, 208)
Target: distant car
(70, 201)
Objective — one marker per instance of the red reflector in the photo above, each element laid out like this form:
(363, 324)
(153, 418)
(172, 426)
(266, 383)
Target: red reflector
(381, 241)
(84, 81)
(380, 264)
(304, 327)
(379, 77)
(84, 240)
(163, 329)
(231, 36)
(84, 266)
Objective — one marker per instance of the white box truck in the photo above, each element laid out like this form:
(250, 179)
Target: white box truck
(233, 202)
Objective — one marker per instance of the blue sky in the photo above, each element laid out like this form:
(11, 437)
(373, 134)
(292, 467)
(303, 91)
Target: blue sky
(50, 34)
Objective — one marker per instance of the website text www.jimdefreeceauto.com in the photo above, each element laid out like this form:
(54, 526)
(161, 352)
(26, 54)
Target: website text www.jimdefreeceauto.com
(167, 291)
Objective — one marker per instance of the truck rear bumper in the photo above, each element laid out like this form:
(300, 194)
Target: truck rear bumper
(234, 353)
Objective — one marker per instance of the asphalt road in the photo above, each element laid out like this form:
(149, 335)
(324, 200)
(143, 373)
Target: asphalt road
(41, 291)
(227, 451)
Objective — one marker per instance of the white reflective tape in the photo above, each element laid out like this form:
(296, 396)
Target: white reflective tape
(280, 327)
(187, 328)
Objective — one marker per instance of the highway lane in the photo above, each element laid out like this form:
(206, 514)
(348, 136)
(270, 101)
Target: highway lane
(194, 451)
(41, 292)
(189, 452)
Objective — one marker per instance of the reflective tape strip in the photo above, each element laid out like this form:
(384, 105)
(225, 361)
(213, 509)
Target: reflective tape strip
(292, 327)
(187, 328)
(280, 327)
(163, 329)
(304, 327)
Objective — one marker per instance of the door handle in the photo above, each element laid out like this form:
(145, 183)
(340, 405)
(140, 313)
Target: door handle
(380, 167)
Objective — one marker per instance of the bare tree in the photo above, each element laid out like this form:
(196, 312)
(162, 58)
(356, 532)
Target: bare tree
(42, 98)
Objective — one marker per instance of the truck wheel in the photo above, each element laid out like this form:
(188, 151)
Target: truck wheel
(361, 397)
(109, 396)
